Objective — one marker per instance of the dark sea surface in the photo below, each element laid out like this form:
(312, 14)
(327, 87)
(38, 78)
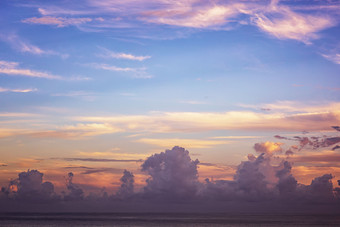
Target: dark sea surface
(153, 219)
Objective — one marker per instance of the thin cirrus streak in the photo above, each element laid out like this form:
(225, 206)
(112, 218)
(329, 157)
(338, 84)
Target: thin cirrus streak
(99, 160)
(57, 21)
(118, 55)
(139, 73)
(18, 90)
(11, 68)
(194, 143)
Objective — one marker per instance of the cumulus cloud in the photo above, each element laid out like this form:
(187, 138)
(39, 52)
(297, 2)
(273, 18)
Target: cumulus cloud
(173, 177)
(74, 191)
(127, 186)
(287, 184)
(268, 147)
(172, 174)
(29, 186)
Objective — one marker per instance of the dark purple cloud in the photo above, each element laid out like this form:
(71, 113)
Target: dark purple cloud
(263, 182)
(74, 191)
(172, 174)
(29, 186)
(126, 189)
(314, 142)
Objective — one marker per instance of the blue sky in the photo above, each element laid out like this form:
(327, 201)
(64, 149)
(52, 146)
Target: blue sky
(124, 78)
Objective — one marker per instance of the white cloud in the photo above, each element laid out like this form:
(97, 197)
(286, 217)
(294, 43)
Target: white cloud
(17, 90)
(113, 68)
(11, 68)
(283, 23)
(332, 57)
(24, 46)
(111, 54)
(136, 72)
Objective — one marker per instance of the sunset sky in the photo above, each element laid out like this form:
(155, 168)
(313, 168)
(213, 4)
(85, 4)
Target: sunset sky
(95, 87)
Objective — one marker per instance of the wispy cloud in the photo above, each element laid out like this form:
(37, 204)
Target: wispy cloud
(17, 90)
(279, 19)
(192, 143)
(135, 72)
(236, 137)
(291, 119)
(77, 131)
(111, 54)
(99, 160)
(12, 68)
(332, 57)
(113, 68)
(57, 21)
(193, 102)
(185, 14)
(22, 46)
(281, 22)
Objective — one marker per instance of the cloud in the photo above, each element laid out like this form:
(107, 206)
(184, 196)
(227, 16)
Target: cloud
(113, 68)
(18, 90)
(281, 22)
(101, 170)
(100, 160)
(237, 120)
(313, 142)
(25, 47)
(263, 182)
(332, 57)
(74, 191)
(57, 21)
(127, 186)
(292, 119)
(193, 143)
(287, 184)
(11, 68)
(268, 147)
(111, 54)
(187, 15)
(235, 137)
(139, 73)
(172, 174)
(22, 46)
(77, 131)
(29, 186)
(329, 159)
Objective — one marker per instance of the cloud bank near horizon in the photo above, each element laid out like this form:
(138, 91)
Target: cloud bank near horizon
(173, 178)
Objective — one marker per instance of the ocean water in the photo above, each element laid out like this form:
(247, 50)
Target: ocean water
(153, 219)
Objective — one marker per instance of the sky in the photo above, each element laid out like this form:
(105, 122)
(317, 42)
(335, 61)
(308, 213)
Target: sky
(92, 91)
